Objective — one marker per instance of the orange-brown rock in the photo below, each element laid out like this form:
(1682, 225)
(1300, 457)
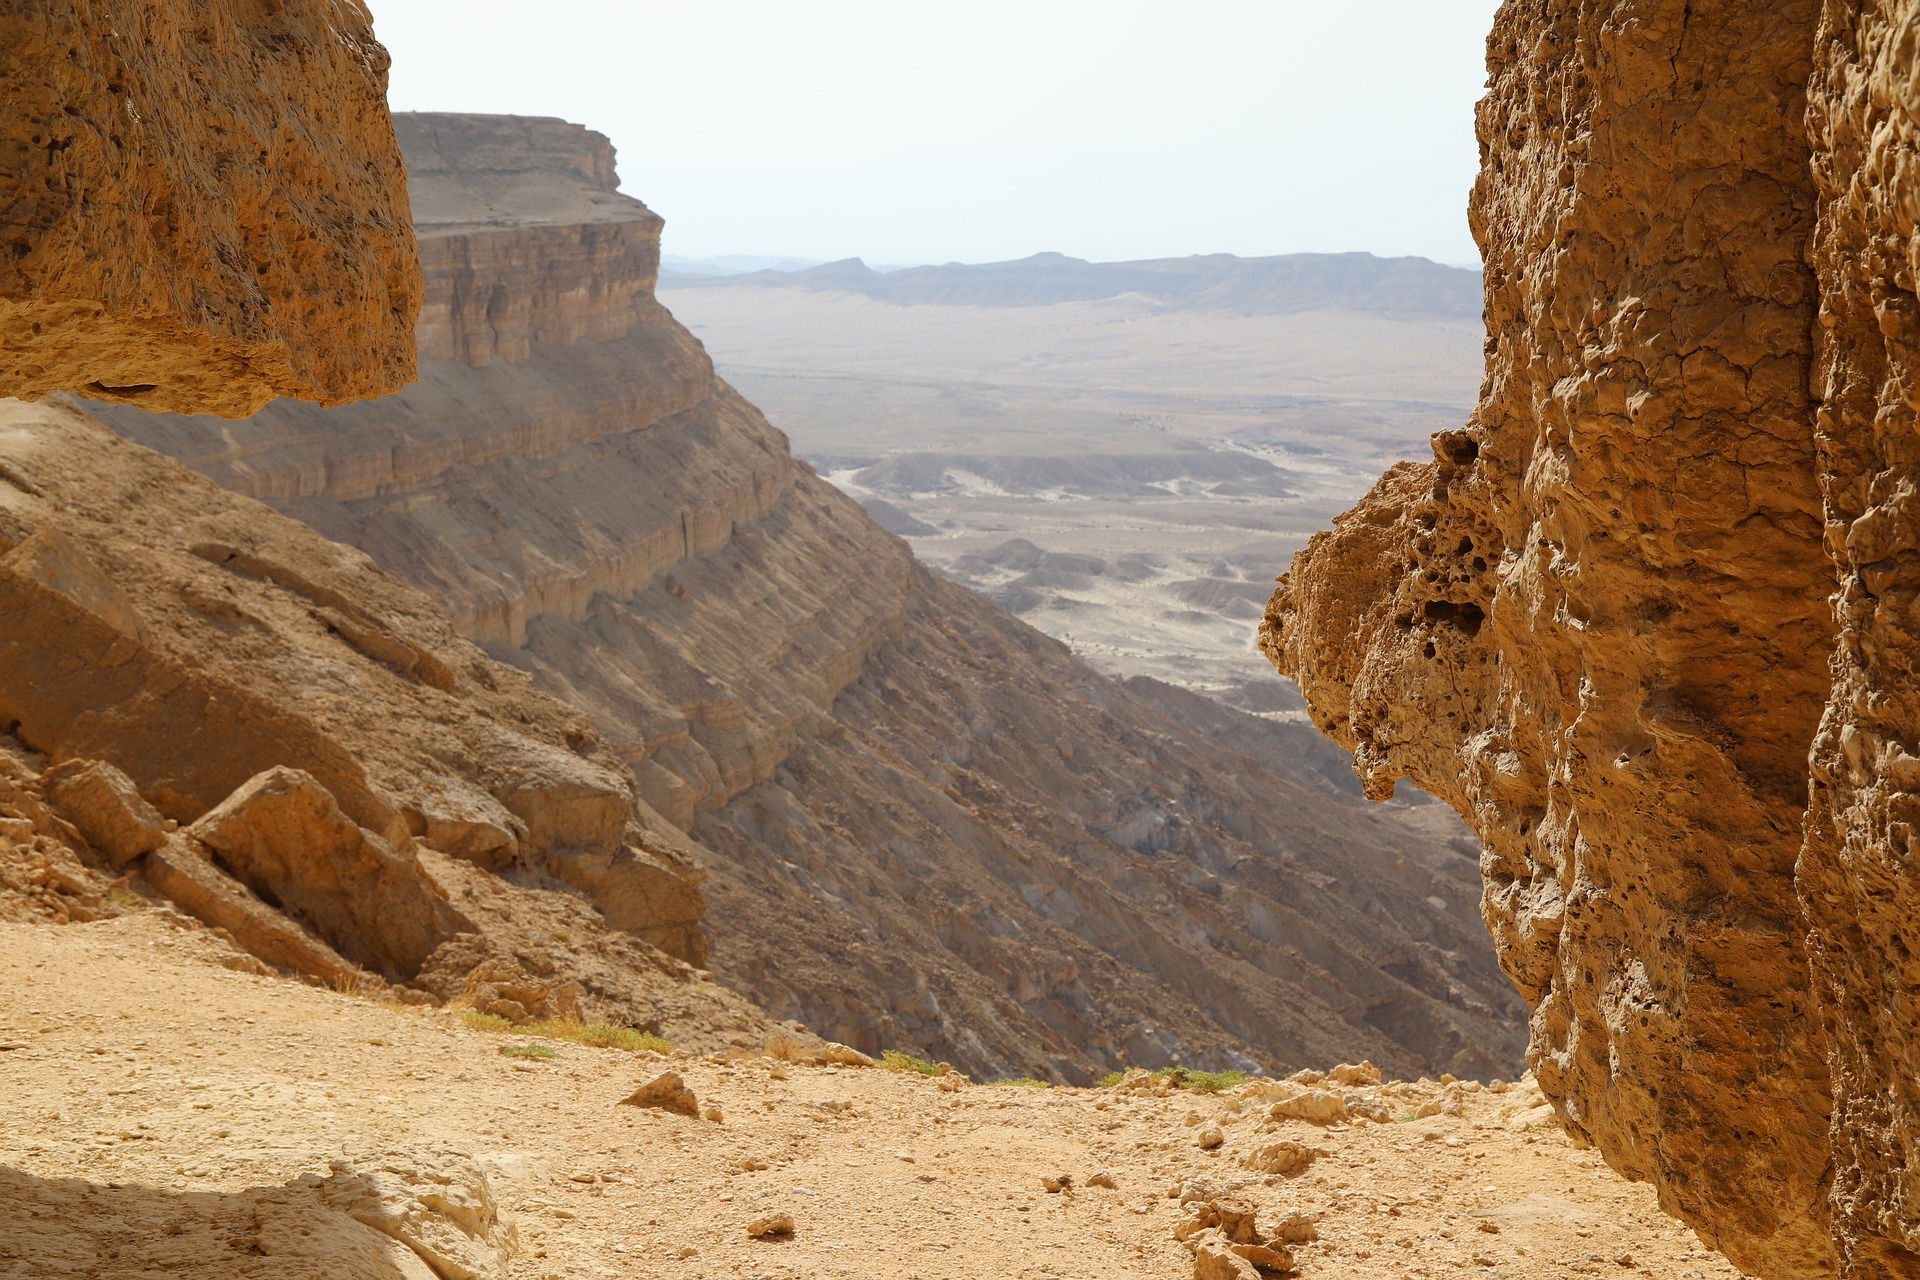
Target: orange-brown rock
(929, 826)
(1856, 871)
(1598, 623)
(204, 206)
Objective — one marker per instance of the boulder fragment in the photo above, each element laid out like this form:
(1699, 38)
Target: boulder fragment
(285, 837)
(665, 1092)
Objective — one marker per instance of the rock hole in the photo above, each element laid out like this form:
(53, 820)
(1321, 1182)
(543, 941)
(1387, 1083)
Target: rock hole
(1461, 449)
(1465, 547)
(131, 389)
(1464, 618)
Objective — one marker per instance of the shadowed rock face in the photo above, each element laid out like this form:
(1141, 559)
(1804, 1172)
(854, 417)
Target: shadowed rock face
(205, 208)
(1598, 623)
(928, 825)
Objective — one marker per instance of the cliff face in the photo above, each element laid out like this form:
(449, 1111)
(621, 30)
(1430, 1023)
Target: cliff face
(927, 825)
(1598, 623)
(258, 725)
(205, 207)
(1855, 872)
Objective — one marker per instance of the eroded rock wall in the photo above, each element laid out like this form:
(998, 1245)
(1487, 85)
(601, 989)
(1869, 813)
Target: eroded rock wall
(205, 208)
(1856, 874)
(928, 826)
(1598, 623)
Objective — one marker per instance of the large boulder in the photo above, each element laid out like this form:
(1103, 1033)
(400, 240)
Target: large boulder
(286, 838)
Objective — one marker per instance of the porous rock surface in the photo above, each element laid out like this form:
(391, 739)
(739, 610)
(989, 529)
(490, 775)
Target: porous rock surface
(1659, 585)
(928, 826)
(204, 207)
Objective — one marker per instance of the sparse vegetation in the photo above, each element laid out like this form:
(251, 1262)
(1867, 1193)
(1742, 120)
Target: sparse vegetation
(528, 1051)
(598, 1035)
(484, 1021)
(894, 1060)
(782, 1047)
(1026, 1082)
(1185, 1078)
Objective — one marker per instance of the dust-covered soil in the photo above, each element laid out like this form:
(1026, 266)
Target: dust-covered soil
(161, 1114)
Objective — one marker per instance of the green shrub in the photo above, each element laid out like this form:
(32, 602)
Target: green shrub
(1026, 1082)
(894, 1060)
(528, 1051)
(1185, 1078)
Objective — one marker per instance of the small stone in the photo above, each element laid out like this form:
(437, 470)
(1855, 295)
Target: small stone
(1064, 1182)
(1492, 1228)
(667, 1092)
(1214, 1259)
(1209, 1138)
(772, 1226)
(1103, 1179)
(1265, 1257)
(1283, 1158)
(1296, 1228)
(714, 1114)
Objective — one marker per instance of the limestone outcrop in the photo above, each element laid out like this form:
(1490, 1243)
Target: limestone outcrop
(1658, 585)
(205, 208)
(928, 826)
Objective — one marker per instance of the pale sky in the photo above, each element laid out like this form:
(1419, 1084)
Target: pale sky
(910, 132)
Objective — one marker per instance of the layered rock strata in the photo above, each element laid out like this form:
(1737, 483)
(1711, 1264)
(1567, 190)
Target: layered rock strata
(205, 208)
(1599, 624)
(236, 715)
(928, 826)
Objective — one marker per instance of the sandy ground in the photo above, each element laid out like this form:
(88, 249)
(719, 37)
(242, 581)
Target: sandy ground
(144, 1085)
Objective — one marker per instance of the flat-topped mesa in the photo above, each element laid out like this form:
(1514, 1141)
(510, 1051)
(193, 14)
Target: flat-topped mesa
(205, 207)
(1606, 622)
(524, 236)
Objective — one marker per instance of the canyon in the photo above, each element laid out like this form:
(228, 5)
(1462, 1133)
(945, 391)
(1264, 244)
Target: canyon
(923, 824)
(1643, 621)
(492, 794)
(1121, 454)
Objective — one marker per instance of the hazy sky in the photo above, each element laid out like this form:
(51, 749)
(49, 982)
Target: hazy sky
(912, 132)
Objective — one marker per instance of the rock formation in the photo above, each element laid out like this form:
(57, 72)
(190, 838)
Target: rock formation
(928, 826)
(238, 716)
(204, 208)
(1602, 622)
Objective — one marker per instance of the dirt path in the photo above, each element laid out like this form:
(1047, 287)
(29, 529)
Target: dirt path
(151, 1102)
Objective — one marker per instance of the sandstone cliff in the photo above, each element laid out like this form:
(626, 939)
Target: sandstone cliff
(1602, 622)
(927, 825)
(204, 206)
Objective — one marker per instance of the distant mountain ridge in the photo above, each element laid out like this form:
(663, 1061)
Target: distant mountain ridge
(1204, 282)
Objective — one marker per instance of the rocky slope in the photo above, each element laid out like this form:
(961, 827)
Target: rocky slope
(927, 825)
(204, 206)
(206, 704)
(1660, 583)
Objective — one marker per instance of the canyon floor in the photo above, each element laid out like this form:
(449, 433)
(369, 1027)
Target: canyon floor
(1127, 475)
(162, 1114)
